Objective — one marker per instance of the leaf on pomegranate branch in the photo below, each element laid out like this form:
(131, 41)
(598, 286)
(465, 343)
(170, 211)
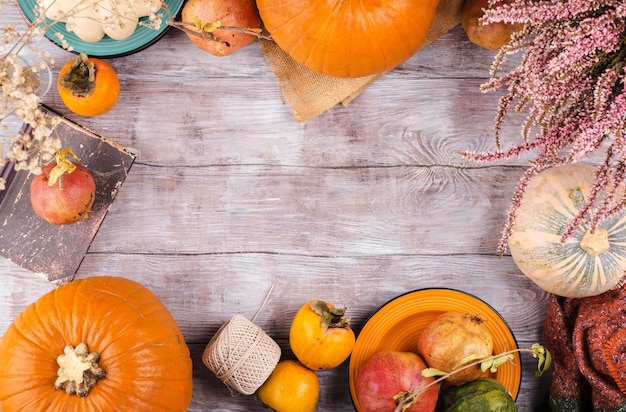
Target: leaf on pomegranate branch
(544, 358)
(493, 364)
(470, 358)
(485, 362)
(432, 372)
(403, 403)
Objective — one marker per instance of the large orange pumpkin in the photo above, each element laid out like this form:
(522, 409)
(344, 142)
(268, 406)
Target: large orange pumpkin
(125, 345)
(348, 38)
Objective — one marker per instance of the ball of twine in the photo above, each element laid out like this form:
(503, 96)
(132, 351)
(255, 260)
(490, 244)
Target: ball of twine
(241, 355)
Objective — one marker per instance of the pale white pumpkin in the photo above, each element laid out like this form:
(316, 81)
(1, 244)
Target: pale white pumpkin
(91, 20)
(587, 264)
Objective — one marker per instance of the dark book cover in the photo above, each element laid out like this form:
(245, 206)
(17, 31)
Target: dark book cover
(56, 252)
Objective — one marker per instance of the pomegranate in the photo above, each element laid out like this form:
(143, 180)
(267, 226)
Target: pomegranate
(221, 27)
(64, 192)
(491, 36)
(451, 338)
(386, 375)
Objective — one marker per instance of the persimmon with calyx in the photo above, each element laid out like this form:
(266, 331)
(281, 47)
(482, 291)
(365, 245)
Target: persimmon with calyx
(64, 192)
(320, 335)
(88, 86)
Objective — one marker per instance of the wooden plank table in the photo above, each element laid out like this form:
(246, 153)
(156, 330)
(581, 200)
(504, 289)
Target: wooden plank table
(231, 196)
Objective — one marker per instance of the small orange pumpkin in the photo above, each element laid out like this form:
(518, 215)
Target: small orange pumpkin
(97, 344)
(348, 38)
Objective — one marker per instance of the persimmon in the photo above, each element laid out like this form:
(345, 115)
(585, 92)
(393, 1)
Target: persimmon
(320, 335)
(88, 86)
(290, 388)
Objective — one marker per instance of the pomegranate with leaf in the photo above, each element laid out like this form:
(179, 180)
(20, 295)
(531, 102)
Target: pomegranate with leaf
(387, 380)
(453, 340)
(220, 27)
(64, 192)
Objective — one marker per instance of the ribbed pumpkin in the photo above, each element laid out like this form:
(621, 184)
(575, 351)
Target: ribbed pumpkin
(113, 334)
(348, 38)
(589, 262)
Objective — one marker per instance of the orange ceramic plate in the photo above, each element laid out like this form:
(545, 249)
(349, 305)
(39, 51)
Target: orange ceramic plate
(398, 323)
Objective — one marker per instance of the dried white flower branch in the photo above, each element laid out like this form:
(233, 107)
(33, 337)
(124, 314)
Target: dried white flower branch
(35, 144)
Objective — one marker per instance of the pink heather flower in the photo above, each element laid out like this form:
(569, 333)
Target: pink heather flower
(571, 85)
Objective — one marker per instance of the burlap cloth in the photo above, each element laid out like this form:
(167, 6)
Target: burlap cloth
(309, 93)
(587, 340)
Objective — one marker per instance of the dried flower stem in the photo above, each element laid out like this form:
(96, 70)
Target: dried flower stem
(206, 30)
(570, 82)
(36, 143)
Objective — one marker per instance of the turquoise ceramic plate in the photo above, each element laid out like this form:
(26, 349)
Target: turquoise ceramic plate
(107, 47)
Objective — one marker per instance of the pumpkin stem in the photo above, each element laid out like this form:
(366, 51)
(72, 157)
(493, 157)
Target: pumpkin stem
(63, 166)
(330, 318)
(81, 78)
(595, 242)
(78, 370)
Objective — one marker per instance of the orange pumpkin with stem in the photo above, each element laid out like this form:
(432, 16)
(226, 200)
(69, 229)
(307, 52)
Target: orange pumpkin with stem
(348, 38)
(97, 344)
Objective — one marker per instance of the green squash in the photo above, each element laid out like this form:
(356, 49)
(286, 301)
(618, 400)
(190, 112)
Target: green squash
(482, 395)
(588, 263)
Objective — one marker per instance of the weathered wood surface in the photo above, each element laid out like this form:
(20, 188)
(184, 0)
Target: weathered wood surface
(230, 196)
